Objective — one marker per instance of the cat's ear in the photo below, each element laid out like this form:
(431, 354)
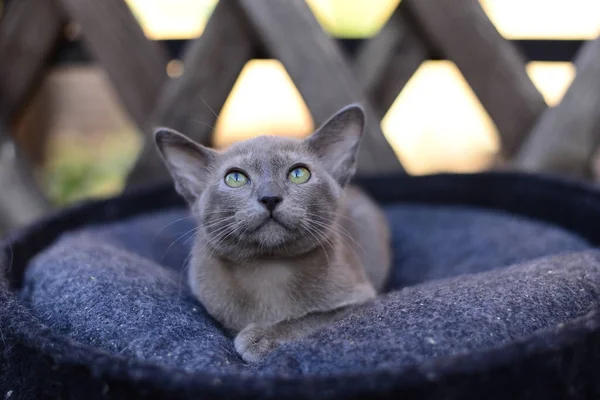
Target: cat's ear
(188, 162)
(337, 141)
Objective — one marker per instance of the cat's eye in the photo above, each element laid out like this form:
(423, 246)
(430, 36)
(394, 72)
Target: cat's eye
(235, 179)
(299, 175)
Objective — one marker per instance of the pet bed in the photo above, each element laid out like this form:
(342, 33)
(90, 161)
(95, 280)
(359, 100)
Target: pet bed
(494, 294)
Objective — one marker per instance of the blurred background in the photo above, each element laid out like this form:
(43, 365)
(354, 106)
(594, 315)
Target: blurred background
(82, 143)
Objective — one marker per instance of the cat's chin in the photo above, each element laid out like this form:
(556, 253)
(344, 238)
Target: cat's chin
(271, 233)
(273, 236)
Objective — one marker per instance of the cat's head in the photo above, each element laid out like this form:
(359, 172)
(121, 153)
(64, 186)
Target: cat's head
(267, 195)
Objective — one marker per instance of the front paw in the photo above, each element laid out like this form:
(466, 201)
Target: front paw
(254, 342)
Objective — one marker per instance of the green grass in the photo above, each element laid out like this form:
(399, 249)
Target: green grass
(81, 167)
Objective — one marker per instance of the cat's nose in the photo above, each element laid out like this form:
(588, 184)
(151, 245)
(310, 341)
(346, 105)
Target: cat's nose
(270, 202)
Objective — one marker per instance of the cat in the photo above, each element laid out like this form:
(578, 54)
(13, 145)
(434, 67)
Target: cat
(284, 244)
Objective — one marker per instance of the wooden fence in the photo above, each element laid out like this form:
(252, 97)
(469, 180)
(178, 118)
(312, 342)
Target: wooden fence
(533, 136)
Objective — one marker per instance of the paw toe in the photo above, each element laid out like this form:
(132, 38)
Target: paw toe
(252, 344)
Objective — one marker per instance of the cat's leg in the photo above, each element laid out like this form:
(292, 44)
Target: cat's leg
(256, 341)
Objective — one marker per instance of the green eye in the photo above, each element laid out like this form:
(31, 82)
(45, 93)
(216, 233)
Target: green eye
(236, 179)
(299, 175)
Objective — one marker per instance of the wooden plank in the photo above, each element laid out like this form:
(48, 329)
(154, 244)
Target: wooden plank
(386, 62)
(192, 102)
(135, 65)
(29, 31)
(289, 32)
(492, 65)
(565, 138)
(22, 202)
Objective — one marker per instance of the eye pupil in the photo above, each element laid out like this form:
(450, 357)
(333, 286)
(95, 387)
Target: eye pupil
(236, 179)
(299, 175)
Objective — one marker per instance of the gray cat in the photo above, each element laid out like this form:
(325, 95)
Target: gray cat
(284, 245)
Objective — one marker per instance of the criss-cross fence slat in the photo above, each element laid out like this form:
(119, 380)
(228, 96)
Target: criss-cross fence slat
(212, 65)
(563, 140)
(385, 63)
(287, 30)
(565, 137)
(21, 199)
(134, 64)
(27, 39)
(490, 64)
(192, 102)
(136, 67)
(290, 32)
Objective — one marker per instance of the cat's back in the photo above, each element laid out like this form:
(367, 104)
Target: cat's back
(368, 228)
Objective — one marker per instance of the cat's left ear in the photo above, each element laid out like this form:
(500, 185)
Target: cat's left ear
(337, 141)
(188, 162)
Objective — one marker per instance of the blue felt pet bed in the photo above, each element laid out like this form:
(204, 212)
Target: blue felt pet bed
(494, 295)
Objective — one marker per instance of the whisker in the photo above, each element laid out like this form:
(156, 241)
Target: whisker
(327, 238)
(209, 107)
(203, 123)
(169, 224)
(176, 240)
(224, 237)
(216, 223)
(340, 230)
(355, 247)
(339, 215)
(184, 269)
(310, 232)
(191, 215)
(192, 231)
(219, 234)
(310, 214)
(243, 233)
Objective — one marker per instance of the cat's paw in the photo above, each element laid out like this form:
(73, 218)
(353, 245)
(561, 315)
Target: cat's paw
(254, 342)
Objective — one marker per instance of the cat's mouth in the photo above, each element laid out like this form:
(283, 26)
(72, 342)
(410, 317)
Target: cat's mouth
(271, 220)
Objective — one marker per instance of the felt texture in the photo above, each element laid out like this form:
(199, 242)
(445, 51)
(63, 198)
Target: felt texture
(482, 302)
(123, 290)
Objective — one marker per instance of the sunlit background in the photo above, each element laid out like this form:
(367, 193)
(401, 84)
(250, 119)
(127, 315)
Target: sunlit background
(435, 124)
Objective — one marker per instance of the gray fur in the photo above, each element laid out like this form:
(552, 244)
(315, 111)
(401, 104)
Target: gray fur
(272, 277)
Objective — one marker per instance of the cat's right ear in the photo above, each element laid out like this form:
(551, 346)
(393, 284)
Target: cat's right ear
(188, 162)
(337, 141)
